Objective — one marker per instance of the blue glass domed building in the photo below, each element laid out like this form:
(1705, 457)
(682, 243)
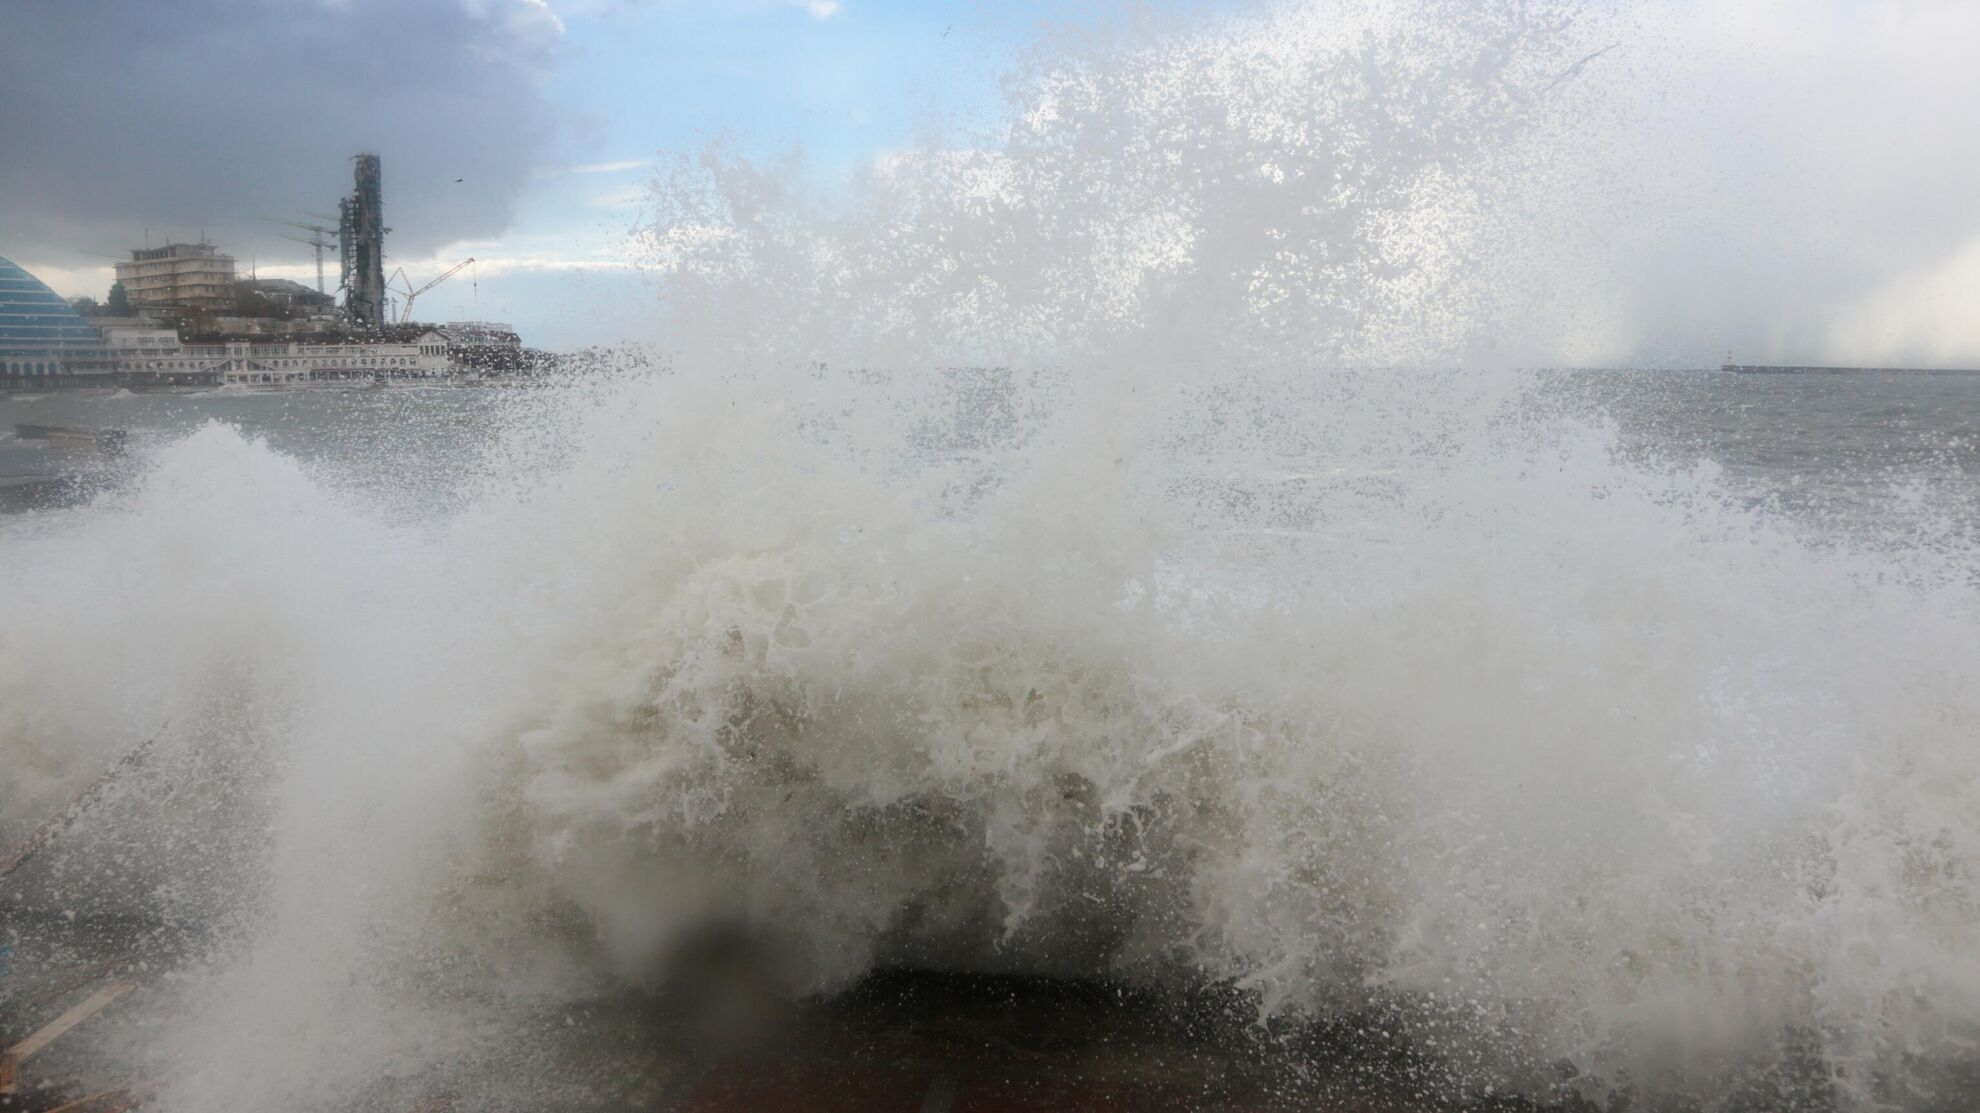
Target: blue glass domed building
(43, 340)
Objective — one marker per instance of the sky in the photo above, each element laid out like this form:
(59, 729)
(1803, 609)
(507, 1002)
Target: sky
(1803, 179)
(519, 132)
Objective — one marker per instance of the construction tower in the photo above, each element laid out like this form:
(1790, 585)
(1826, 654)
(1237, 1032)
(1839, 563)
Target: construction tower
(361, 240)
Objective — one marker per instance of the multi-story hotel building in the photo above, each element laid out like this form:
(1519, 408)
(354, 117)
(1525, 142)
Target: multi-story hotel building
(179, 276)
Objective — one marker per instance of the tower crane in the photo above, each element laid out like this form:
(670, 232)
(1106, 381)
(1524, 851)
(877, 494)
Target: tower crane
(405, 308)
(318, 238)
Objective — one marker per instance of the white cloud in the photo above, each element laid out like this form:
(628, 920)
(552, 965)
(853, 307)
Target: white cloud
(525, 15)
(822, 9)
(526, 255)
(502, 265)
(71, 282)
(614, 167)
(1791, 183)
(610, 167)
(1925, 317)
(627, 198)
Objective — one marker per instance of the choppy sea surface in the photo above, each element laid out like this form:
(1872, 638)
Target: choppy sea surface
(1866, 453)
(1589, 736)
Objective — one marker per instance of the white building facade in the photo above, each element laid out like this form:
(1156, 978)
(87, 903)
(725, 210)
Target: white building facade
(250, 363)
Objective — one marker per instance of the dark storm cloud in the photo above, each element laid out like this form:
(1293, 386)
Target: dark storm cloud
(178, 114)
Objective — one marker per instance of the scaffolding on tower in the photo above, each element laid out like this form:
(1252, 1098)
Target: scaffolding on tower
(361, 245)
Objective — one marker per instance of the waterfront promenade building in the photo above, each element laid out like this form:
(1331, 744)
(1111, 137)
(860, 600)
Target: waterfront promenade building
(286, 363)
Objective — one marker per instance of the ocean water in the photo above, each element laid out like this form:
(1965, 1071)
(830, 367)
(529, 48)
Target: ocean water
(1117, 547)
(1623, 713)
(1855, 456)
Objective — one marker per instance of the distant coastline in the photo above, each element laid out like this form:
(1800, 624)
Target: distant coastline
(1761, 369)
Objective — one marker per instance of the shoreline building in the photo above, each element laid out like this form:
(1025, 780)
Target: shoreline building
(182, 276)
(43, 340)
(153, 361)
